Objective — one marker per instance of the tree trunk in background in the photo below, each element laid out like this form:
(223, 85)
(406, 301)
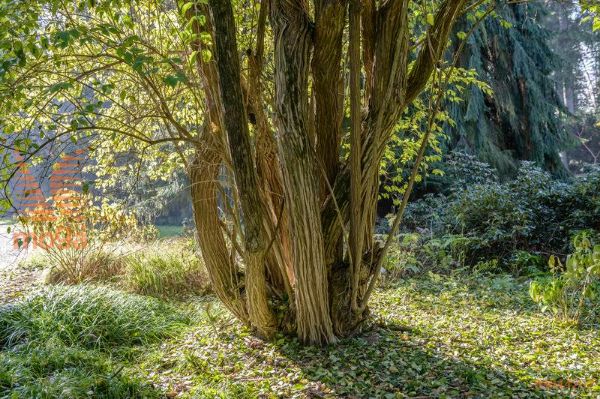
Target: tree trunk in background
(567, 82)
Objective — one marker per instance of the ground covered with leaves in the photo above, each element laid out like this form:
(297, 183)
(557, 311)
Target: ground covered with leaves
(432, 337)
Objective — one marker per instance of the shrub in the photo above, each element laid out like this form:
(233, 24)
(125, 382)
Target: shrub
(572, 291)
(98, 265)
(75, 233)
(532, 214)
(402, 257)
(416, 253)
(164, 269)
(527, 262)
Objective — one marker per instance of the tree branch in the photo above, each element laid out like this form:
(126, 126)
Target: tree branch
(433, 49)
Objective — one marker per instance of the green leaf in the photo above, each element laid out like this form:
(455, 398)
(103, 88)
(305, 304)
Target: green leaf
(59, 86)
(171, 80)
(193, 57)
(186, 7)
(430, 19)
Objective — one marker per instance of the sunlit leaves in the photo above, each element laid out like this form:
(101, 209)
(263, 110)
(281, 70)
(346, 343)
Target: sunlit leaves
(430, 19)
(404, 144)
(113, 75)
(571, 292)
(59, 86)
(186, 7)
(593, 9)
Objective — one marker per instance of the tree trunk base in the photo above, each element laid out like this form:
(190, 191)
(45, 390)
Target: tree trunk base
(346, 322)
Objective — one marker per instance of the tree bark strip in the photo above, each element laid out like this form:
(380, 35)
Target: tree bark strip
(238, 134)
(293, 42)
(328, 90)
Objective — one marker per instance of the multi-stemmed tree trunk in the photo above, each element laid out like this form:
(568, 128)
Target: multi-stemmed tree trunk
(305, 216)
(285, 221)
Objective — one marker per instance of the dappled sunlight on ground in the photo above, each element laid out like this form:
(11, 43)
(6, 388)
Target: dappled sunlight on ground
(440, 337)
(431, 337)
(14, 281)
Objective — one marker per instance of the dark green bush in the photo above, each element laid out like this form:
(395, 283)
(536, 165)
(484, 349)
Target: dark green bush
(518, 223)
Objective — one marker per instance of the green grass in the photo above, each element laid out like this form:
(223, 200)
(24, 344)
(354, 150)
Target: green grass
(55, 371)
(93, 317)
(168, 269)
(76, 342)
(171, 269)
(169, 231)
(431, 337)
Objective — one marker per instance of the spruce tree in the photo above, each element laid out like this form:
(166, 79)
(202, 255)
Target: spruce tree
(521, 120)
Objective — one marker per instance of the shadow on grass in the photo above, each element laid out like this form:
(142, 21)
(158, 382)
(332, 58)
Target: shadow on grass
(392, 362)
(433, 339)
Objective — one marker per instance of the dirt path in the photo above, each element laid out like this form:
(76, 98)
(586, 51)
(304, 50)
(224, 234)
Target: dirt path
(9, 258)
(17, 283)
(14, 280)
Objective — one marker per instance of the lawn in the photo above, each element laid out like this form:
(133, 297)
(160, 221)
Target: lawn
(432, 336)
(169, 231)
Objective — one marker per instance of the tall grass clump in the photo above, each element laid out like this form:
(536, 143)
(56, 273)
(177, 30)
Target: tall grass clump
(57, 371)
(170, 269)
(93, 317)
(98, 265)
(78, 342)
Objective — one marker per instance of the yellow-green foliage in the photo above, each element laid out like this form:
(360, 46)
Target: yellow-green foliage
(572, 291)
(168, 269)
(96, 265)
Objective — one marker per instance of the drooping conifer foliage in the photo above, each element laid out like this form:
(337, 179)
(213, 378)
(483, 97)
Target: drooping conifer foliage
(521, 118)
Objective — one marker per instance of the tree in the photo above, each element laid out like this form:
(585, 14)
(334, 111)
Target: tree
(252, 96)
(577, 47)
(521, 118)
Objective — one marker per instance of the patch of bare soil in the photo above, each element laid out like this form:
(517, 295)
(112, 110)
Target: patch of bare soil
(16, 283)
